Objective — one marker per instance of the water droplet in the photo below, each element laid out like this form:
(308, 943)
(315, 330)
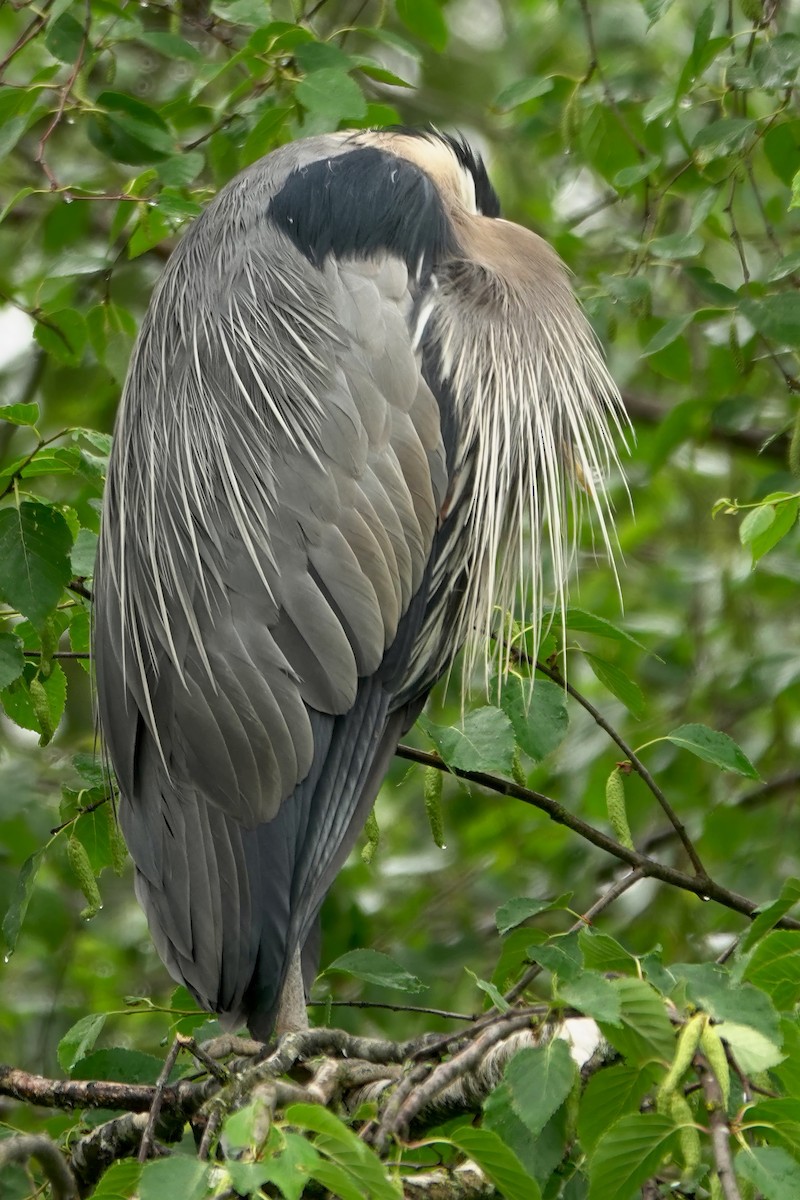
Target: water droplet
(7, 957)
(67, 198)
(705, 899)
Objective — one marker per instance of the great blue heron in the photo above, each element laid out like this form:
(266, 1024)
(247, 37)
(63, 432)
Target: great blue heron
(355, 396)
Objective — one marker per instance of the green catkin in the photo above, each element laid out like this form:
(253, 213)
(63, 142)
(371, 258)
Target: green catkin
(685, 1050)
(615, 805)
(689, 1135)
(517, 770)
(432, 791)
(41, 710)
(373, 833)
(82, 868)
(714, 1051)
(49, 640)
(794, 449)
(116, 842)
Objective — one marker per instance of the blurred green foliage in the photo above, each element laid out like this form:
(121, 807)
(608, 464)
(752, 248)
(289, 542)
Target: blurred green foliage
(656, 145)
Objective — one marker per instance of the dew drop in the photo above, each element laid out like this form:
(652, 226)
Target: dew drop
(7, 957)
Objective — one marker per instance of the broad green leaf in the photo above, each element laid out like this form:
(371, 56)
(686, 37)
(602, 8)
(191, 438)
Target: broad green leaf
(497, 1162)
(539, 1079)
(629, 1154)
(515, 911)
(604, 953)
(618, 683)
(771, 1170)
(171, 45)
(780, 1116)
(722, 137)
(426, 19)
(629, 176)
(339, 1143)
(332, 94)
(374, 967)
(120, 1181)
(64, 39)
(80, 1039)
(19, 414)
(83, 554)
(676, 245)
(12, 661)
(774, 966)
(264, 134)
(538, 714)
(485, 741)
(667, 334)
(540, 1155)
(495, 995)
(714, 747)
(768, 915)
(752, 1050)
(18, 907)
(168, 1178)
(35, 542)
(580, 621)
(756, 522)
(593, 995)
(62, 334)
(609, 1095)
(783, 523)
(522, 91)
(120, 1064)
(645, 1033)
(777, 316)
(37, 703)
(559, 955)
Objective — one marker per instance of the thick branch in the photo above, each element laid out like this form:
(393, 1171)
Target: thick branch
(25, 1146)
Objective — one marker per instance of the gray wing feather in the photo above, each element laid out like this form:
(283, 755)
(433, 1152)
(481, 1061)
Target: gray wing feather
(245, 608)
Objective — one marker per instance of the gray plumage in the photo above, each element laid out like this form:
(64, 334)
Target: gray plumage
(324, 460)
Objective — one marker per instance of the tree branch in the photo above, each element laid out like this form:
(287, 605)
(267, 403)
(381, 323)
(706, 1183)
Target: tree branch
(20, 1148)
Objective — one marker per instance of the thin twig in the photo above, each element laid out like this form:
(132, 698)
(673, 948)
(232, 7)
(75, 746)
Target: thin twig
(706, 889)
(608, 897)
(444, 1013)
(552, 673)
(720, 1132)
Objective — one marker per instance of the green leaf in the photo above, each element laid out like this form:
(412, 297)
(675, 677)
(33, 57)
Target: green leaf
(264, 134)
(756, 522)
(580, 621)
(781, 1115)
(170, 45)
(167, 1178)
(18, 907)
(62, 334)
(374, 967)
(19, 414)
(120, 1181)
(593, 995)
(618, 683)
(498, 1163)
(629, 176)
(645, 1034)
(331, 94)
(522, 91)
(782, 524)
(37, 703)
(560, 955)
(346, 1149)
(12, 660)
(120, 1064)
(83, 554)
(609, 1095)
(604, 953)
(774, 966)
(64, 39)
(491, 990)
(722, 137)
(629, 1154)
(538, 714)
(676, 245)
(777, 316)
(79, 1039)
(667, 334)
(485, 742)
(714, 747)
(771, 1170)
(539, 1079)
(426, 19)
(768, 915)
(752, 1050)
(515, 911)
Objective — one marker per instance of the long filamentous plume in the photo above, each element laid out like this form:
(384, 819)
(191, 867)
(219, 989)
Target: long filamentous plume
(541, 418)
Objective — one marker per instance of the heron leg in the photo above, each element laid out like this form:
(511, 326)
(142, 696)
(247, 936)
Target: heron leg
(292, 1014)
